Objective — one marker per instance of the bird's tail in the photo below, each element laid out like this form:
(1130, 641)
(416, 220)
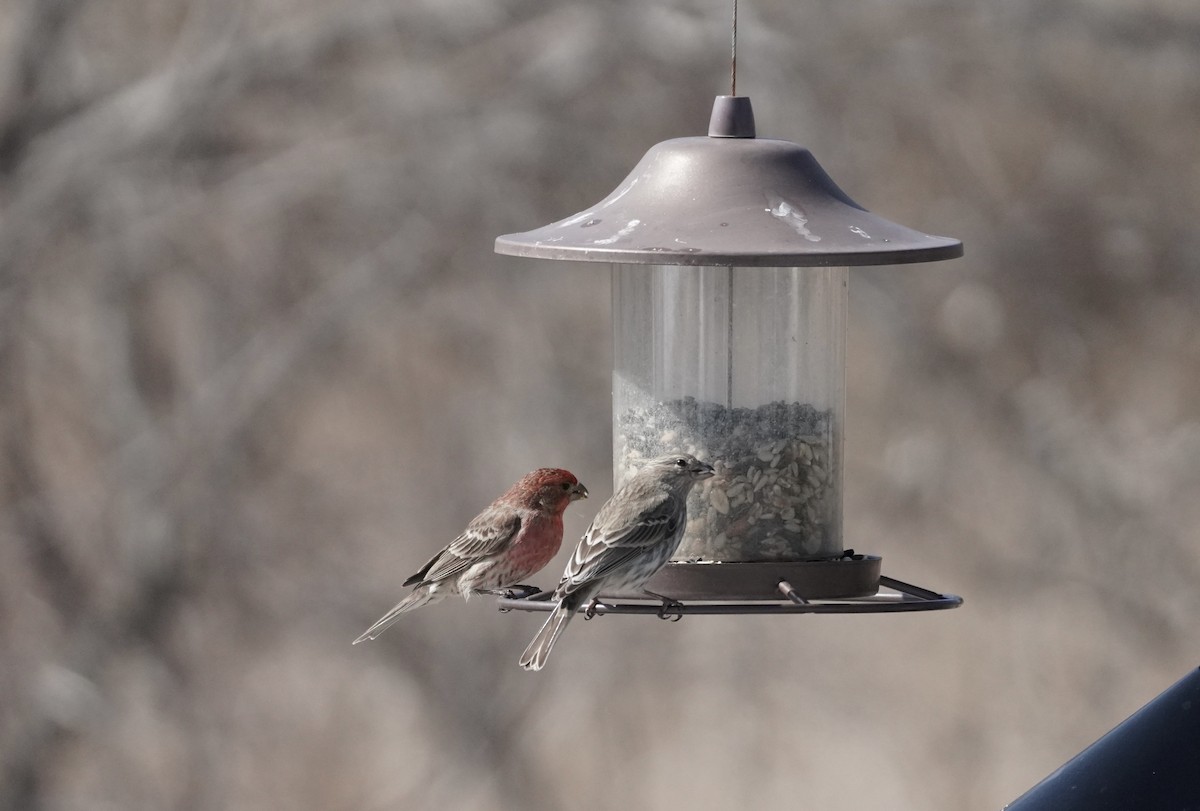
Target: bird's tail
(422, 595)
(538, 651)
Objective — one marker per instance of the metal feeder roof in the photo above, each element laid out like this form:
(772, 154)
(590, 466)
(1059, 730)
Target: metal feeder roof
(729, 199)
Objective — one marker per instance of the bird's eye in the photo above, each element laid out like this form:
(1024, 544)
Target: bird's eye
(681, 463)
(566, 485)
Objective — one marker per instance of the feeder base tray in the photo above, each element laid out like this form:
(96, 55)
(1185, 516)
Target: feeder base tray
(850, 585)
(851, 576)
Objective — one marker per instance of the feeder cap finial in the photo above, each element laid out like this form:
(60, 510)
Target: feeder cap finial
(732, 117)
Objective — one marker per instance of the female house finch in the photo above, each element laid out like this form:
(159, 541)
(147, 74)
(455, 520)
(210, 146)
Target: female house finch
(512, 539)
(632, 537)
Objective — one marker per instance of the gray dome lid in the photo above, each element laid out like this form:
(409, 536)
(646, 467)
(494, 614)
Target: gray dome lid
(729, 199)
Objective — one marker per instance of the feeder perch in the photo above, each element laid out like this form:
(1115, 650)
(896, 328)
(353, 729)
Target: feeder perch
(730, 258)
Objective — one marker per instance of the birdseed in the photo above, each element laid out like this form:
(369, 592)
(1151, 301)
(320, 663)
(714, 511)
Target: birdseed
(775, 496)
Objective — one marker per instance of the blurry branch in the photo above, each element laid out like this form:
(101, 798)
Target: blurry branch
(154, 110)
(56, 163)
(1126, 24)
(36, 524)
(228, 400)
(149, 471)
(514, 46)
(64, 164)
(22, 106)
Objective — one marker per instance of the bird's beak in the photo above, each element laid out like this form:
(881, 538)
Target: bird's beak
(705, 471)
(578, 492)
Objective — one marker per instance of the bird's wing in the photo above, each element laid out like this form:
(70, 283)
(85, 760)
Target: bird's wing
(488, 534)
(609, 544)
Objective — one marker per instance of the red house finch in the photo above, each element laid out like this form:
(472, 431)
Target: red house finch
(512, 539)
(632, 537)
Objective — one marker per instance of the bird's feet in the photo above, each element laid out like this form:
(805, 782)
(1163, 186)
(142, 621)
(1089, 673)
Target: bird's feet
(520, 592)
(512, 593)
(671, 609)
(592, 605)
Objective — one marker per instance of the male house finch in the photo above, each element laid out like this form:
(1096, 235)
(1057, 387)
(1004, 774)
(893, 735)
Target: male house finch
(633, 536)
(512, 539)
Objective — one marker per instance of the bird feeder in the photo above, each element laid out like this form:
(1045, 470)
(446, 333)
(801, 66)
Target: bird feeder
(730, 257)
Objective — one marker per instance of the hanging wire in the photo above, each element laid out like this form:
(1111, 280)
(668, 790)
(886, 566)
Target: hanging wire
(729, 272)
(733, 57)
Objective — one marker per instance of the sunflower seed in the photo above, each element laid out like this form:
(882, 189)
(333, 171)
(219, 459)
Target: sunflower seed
(773, 498)
(720, 501)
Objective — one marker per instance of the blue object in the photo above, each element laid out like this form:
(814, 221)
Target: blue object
(1150, 761)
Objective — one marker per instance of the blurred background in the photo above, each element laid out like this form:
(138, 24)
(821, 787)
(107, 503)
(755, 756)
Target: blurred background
(258, 362)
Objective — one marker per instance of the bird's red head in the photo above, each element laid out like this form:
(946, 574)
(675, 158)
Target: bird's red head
(550, 488)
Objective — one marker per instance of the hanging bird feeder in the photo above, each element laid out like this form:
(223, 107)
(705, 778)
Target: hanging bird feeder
(730, 258)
